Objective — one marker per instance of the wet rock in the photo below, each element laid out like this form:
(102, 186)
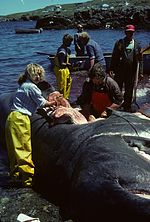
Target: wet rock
(23, 200)
(93, 24)
(14, 201)
(53, 22)
(98, 18)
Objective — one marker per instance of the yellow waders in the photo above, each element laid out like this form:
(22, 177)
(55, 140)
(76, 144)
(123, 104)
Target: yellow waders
(18, 140)
(64, 81)
(63, 78)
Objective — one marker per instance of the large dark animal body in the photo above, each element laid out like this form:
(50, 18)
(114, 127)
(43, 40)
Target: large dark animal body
(92, 170)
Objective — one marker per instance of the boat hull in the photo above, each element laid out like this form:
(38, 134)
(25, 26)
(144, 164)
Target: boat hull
(85, 59)
(28, 31)
(79, 62)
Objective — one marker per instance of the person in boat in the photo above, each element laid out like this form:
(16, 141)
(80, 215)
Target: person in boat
(126, 61)
(93, 50)
(62, 66)
(27, 99)
(99, 92)
(79, 47)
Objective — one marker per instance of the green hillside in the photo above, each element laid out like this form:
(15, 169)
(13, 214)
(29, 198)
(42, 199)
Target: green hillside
(69, 9)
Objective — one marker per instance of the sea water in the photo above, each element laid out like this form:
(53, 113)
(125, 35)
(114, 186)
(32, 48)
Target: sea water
(17, 50)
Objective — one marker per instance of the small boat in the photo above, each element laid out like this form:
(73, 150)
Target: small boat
(28, 31)
(79, 61)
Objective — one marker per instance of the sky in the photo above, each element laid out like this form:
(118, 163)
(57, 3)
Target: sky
(14, 6)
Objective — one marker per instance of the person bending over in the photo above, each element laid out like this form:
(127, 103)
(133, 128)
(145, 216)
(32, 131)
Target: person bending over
(93, 50)
(99, 93)
(27, 99)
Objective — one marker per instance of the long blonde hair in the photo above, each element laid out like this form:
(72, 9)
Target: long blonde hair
(31, 71)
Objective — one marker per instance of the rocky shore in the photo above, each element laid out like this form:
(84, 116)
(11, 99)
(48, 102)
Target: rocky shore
(91, 17)
(98, 18)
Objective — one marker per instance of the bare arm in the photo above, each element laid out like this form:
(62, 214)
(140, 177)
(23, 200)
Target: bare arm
(92, 61)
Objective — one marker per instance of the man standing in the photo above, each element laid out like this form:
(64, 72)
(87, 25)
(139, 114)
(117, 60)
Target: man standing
(62, 66)
(79, 47)
(93, 50)
(125, 63)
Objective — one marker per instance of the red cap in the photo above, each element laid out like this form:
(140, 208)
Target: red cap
(130, 28)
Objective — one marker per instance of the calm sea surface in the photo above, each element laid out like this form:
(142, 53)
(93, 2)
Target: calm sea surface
(17, 50)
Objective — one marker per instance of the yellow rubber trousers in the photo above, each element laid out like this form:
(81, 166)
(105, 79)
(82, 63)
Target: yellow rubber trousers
(18, 140)
(64, 81)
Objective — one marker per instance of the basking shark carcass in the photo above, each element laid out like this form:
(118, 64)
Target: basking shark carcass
(95, 171)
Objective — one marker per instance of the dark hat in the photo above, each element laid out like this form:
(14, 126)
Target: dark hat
(130, 28)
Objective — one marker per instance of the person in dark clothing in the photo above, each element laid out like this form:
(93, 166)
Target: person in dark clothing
(99, 93)
(93, 50)
(126, 61)
(79, 47)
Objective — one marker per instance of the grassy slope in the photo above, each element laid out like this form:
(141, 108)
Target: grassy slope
(68, 9)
